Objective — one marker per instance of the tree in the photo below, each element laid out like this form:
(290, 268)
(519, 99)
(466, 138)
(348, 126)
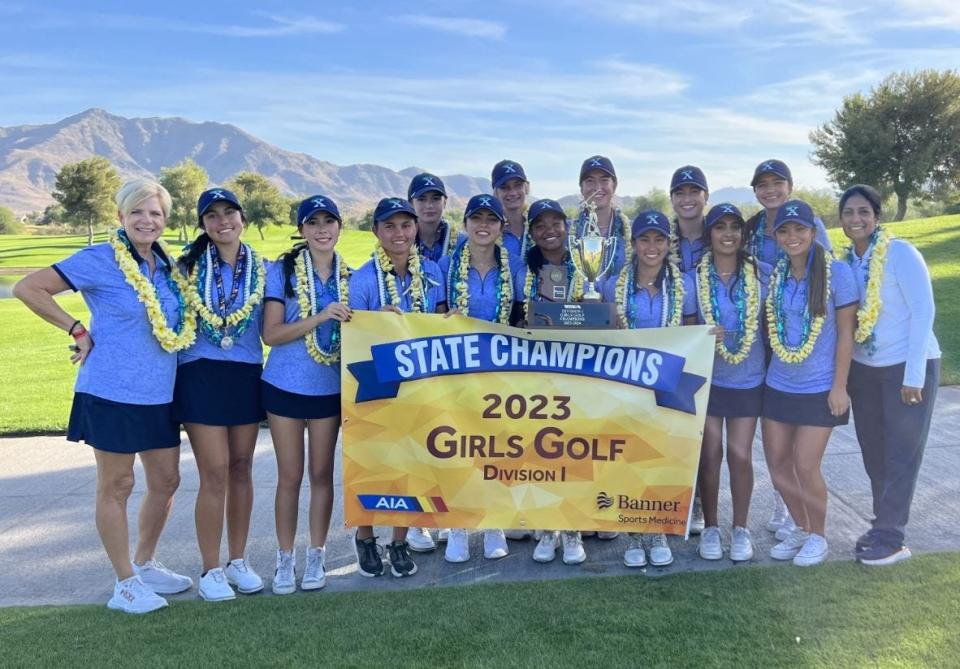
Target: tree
(9, 223)
(656, 198)
(86, 190)
(52, 215)
(184, 181)
(263, 204)
(824, 203)
(904, 138)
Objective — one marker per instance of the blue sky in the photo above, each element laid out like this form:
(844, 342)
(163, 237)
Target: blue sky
(455, 86)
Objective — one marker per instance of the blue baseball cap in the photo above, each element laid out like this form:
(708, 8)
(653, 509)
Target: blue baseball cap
(209, 197)
(389, 206)
(719, 211)
(481, 202)
(601, 163)
(315, 203)
(772, 166)
(650, 220)
(425, 183)
(543, 206)
(795, 211)
(506, 170)
(688, 175)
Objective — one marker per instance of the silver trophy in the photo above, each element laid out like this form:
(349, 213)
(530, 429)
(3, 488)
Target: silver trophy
(589, 249)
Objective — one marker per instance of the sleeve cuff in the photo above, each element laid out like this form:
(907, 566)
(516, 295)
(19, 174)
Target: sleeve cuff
(65, 278)
(273, 299)
(844, 306)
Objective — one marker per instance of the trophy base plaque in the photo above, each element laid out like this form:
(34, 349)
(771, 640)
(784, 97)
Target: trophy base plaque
(582, 315)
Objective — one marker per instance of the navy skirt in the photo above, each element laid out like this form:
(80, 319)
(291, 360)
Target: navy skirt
(800, 408)
(122, 428)
(218, 392)
(294, 405)
(735, 402)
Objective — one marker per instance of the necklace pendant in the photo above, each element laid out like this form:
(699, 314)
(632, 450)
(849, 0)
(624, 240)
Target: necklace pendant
(226, 343)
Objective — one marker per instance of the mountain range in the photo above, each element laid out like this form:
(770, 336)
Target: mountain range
(31, 156)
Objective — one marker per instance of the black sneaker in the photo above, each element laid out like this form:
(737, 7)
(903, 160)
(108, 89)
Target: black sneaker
(865, 541)
(400, 562)
(881, 554)
(369, 560)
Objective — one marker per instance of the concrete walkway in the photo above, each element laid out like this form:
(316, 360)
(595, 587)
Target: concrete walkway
(50, 552)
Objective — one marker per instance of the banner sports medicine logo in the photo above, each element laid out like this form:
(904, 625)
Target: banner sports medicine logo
(604, 501)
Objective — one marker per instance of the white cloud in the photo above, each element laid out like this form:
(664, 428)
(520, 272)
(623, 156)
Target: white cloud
(928, 14)
(458, 26)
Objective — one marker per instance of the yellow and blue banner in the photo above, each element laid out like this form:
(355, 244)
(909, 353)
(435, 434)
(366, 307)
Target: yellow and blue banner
(455, 422)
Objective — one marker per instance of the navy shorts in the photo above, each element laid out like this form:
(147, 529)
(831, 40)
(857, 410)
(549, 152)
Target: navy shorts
(735, 402)
(122, 428)
(294, 405)
(800, 408)
(218, 392)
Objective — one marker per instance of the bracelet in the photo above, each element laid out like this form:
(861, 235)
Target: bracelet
(80, 333)
(75, 324)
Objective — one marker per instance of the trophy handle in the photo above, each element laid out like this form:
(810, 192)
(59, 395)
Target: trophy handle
(607, 241)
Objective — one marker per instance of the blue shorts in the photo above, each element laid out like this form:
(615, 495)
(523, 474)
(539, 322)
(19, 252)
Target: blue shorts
(294, 405)
(218, 392)
(122, 428)
(800, 408)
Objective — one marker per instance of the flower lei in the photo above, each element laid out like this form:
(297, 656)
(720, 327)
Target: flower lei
(671, 308)
(747, 301)
(170, 339)
(458, 292)
(447, 245)
(869, 312)
(387, 287)
(307, 300)
(531, 285)
(211, 323)
(776, 319)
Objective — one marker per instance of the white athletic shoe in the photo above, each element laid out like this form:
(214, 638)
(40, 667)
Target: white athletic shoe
(813, 552)
(458, 546)
(697, 523)
(788, 528)
(442, 535)
(160, 579)
(635, 555)
(314, 574)
(131, 596)
(546, 550)
(214, 587)
(779, 514)
(284, 582)
(710, 546)
(741, 546)
(494, 544)
(573, 552)
(419, 540)
(518, 535)
(660, 553)
(789, 547)
(242, 576)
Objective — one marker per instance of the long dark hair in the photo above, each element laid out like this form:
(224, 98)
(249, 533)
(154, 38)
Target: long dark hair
(817, 281)
(194, 250)
(868, 193)
(288, 261)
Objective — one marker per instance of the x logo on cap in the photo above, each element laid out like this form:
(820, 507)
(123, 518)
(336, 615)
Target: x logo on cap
(396, 204)
(428, 181)
(687, 175)
(484, 202)
(217, 194)
(509, 168)
(319, 202)
(766, 167)
(728, 209)
(543, 205)
(652, 218)
(792, 211)
(595, 163)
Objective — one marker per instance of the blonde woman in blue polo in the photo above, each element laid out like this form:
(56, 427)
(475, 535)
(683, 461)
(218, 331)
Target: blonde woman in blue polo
(305, 302)
(122, 404)
(397, 279)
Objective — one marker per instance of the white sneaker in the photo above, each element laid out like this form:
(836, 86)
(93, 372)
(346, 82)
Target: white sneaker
(785, 530)
(518, 535)
(573, 552)
(419, 540)
(131, 596)
(741, 546)
(710, 546)
(314, 574)
(697, 523)
(789, 547)
(442, 535)
(160, 579)
(779, 514)
(214, 587)
(458, 546)
(283, 578)
(243, 577)
(494, 544)
(814, 551)
(635, 555)
(660, 553)
(546, 550)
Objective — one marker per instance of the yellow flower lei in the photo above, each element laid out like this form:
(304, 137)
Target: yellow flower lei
(233, 318)
(575, 286)
(167, 337)
(303, 270)
(791, 355)
(751, 319)
(869, 312)
(384, 267)
(627, 283)
(461, 290)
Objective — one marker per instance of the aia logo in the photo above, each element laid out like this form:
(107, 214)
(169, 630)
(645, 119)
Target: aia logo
(604, 501)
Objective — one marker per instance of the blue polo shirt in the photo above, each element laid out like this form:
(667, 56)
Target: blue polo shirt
(438, 249)
(126, 363)
(690, 253)
(289, 367)
(617, 246)
(648, 308)
(815, 374)
(481, 290)
(750, 372)
(247, 347)
(365, 294)
(770, 252)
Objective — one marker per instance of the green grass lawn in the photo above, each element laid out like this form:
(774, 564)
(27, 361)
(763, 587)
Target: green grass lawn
(35, 396)
(837, 615)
